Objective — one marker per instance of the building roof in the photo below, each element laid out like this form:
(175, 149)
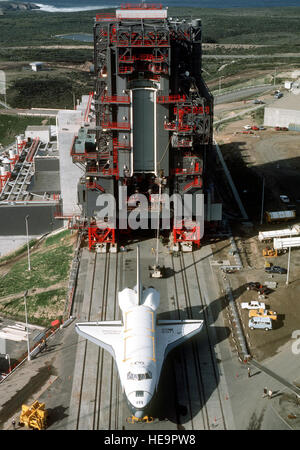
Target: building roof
(46, 181)
(288, 101)
(36, 63)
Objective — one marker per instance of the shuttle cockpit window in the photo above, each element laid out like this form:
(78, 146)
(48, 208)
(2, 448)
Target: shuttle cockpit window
(139, 376)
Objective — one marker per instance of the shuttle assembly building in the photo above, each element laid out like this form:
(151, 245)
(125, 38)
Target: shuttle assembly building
(148, 124)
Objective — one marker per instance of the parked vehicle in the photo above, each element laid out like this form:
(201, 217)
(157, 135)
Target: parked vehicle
(263, 323)
(280, 216)
(275, 269)
(278, 95)
(254, 128)
(247, 127)
(284, 198)
(258, 102)
(269, 252)
(228, 270)
(262, 128)
(255, 286)
(253, 305)
(263, 313)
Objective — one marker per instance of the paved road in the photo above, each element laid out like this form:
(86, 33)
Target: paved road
(241, 93)
(30, 112)
(218, 99)
(53, 371)
(270, 55)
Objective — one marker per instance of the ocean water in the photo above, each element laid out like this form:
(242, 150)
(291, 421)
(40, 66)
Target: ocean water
(84, 5)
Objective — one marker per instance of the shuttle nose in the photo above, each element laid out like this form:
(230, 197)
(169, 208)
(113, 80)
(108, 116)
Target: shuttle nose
(138, 401)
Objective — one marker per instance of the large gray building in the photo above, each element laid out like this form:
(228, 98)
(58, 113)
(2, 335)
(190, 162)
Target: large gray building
(39, 180)
(283, 112)
(29, 186)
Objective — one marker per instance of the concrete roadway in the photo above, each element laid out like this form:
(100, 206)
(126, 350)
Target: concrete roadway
(270, 55)
(241, 94)
(242, 400)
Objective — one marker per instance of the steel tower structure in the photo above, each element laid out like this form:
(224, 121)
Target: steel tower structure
(153, 115)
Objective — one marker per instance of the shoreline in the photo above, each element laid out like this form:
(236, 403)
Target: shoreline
(54, 9)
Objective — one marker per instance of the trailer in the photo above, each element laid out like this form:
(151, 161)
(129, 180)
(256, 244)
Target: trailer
(282, 244)
(268, 235)
(280, 216)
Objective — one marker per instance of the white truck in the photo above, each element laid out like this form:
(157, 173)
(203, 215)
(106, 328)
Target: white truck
(254, 304)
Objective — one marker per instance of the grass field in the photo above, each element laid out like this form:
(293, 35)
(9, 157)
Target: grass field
(42, 308)
(46, 282)
(269, 26)
(266, 31)
(11, 125)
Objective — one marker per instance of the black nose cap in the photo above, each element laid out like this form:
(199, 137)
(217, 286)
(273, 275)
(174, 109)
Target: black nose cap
(139, 414)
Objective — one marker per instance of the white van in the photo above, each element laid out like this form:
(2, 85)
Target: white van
(264, 323)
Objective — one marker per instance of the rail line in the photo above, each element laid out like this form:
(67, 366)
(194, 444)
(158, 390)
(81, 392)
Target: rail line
(183, 357)
(98, 401)
(85, 348)
(209, 340)
(194, 371)
(199, 396)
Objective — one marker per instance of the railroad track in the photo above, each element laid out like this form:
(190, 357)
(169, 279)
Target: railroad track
(199, 384)
(96, 397)
(189, 394)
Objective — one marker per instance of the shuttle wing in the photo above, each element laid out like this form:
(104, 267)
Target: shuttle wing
(171, 333)
(105, 334)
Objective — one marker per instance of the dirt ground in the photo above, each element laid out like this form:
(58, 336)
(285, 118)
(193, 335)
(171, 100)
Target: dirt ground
(276, 157)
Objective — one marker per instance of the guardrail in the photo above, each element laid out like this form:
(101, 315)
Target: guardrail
(73, 279)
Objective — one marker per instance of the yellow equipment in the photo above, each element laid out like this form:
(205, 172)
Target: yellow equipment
(34, 416)
(146, 419)
(263, 313)
(269, 252)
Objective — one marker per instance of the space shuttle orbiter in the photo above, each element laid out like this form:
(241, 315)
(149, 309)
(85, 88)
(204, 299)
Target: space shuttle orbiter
(139, 343)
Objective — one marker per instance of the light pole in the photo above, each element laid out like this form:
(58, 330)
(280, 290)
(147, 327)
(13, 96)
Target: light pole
(8, 357)
(220, 78)
(74, 102)
(289, 261)
(158, 214)
(28, 252)
(26, 320)
(262, 201)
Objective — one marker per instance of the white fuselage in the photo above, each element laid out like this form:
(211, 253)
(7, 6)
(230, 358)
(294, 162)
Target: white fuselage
(139, 344)
(137, 359)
